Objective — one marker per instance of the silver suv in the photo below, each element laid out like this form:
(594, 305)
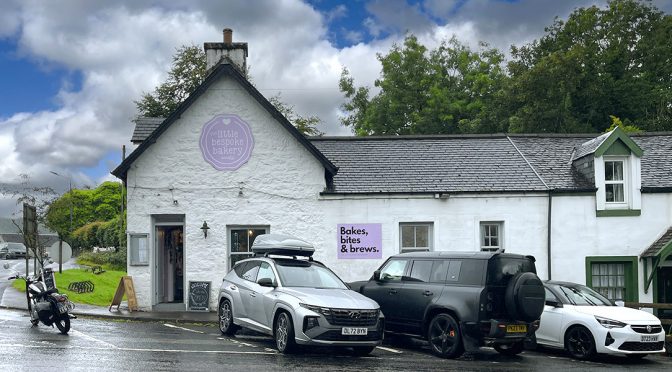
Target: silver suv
(284, 293)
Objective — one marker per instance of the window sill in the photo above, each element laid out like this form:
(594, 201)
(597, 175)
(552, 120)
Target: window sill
(619, 213)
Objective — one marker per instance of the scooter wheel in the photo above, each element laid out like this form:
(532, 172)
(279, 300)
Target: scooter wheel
(63, 324)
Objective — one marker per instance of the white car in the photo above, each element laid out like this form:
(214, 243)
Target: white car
(584, 323)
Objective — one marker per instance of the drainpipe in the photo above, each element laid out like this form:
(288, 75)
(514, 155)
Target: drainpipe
(548, 235)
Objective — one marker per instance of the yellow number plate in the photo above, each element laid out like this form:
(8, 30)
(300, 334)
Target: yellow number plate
(516, 328)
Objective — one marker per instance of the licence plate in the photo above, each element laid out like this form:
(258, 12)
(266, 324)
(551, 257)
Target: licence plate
(352, 331)
(521, 328)
(649, 338)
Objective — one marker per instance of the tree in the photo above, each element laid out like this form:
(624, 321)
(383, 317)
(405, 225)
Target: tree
(597, 63)
(450, 89)
(187, 72)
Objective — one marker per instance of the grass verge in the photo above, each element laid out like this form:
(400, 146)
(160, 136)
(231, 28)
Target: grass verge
(105, 285)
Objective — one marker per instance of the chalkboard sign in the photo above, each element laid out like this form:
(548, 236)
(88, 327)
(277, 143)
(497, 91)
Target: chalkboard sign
(48, 278)
(199, 296)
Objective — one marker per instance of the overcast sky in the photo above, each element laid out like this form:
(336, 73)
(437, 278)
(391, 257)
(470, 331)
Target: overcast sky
(70, 70)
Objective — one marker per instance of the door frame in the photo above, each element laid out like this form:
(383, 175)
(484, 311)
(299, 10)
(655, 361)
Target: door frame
(155, 259)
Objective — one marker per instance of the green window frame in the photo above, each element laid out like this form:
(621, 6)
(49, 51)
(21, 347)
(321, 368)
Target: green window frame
(602, 275)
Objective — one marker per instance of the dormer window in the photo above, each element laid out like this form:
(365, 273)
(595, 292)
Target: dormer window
(614, 181)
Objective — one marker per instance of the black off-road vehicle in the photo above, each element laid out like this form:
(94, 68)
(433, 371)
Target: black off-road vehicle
(459, 300)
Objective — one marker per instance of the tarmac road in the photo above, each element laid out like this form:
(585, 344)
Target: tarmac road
(136, 346)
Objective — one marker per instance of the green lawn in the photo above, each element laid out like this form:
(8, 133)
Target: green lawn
(105, 285)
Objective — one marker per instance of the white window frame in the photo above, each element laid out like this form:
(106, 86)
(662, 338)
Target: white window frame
(249, 253)
(141, 246)
(482, 237)
(415, 248)
(624, 182)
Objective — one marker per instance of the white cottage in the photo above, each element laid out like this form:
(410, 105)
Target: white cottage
(226, 166)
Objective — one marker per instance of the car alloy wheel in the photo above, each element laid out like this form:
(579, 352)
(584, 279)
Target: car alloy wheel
(444, 336)
(226, 318)
(580, 343)
(284, 334)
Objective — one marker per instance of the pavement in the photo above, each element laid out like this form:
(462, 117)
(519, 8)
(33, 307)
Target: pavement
(12, 298)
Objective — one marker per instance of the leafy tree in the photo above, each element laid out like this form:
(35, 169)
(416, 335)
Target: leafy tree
(597, 63)
(187, 72)
(450, 89)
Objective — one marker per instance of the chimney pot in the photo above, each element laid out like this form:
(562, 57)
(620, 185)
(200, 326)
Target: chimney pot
(228, 36)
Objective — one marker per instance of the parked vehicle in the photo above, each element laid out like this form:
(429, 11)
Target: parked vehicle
(284, 293)
(10, 250)
(459, 300)
(5, 254)
(45, 304)
(585, 323)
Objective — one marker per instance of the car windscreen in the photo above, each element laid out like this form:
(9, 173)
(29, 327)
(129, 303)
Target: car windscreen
(307, 274)
(580, 295)
(500, 269)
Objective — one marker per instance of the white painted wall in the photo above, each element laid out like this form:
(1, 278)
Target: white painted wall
(578, 233)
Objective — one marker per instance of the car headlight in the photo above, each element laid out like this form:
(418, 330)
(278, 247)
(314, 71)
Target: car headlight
(609, 323)
(318, 309)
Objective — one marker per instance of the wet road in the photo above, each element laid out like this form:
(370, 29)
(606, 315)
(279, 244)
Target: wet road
(115, 345)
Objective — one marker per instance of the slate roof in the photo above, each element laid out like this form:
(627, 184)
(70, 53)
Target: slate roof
(659, 244)
(589, 147)
(144, 126)
(427, 164)
(487, 163)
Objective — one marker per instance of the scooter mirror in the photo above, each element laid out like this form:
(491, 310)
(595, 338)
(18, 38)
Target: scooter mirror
(6, 266)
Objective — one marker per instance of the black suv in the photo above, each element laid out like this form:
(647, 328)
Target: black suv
(459, 301)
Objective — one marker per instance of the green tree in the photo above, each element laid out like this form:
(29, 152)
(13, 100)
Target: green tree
(597, 63)
(450, 89)
(187, 72)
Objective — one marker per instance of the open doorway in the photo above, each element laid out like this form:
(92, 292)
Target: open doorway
(169, 265)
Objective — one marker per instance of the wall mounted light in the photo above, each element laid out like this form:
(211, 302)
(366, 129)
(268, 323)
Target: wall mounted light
(205, 229)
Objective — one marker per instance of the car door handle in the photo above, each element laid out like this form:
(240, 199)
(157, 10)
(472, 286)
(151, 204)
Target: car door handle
(252, 294)
(427, 293)
(392, 291)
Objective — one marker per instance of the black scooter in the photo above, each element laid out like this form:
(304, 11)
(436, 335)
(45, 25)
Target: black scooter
(46, 305)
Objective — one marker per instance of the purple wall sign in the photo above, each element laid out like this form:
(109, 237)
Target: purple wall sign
(226, 142)
(363, 240)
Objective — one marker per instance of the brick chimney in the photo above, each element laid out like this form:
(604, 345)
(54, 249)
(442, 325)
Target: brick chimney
(236, 52)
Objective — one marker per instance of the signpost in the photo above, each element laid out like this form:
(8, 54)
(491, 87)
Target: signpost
(125, 286)
(30, 232)
(199, 296)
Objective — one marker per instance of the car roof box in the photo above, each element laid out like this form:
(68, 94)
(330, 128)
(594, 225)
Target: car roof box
(283, 245)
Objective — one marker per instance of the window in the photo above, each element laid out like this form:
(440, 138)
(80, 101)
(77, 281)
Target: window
(609, 280)
(240, 242)
(614, 181)
(415, 237)
(139, 250)
(614, 277)
(491, 236)
(265, 272)
(393, 270)
(421, 271)
(250, 271)
(454, 271)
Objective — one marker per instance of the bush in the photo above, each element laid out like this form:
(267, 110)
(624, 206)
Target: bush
(109, 260)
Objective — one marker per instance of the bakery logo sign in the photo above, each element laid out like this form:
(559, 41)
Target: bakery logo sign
(226, 142)
(360, 241)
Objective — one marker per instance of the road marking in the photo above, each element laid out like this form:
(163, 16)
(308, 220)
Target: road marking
(136, 349)
(182, 328)
(239, 343)
(388, 349)
(92, 338)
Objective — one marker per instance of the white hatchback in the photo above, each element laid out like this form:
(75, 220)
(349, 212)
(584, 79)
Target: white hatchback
(584, 323)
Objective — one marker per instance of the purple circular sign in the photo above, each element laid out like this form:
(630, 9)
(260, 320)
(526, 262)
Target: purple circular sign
(226, 142)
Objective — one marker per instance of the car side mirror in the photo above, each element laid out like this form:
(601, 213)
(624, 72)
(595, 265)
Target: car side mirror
(553, 303)
(266, 282)
(376, 275)
(619, 303)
